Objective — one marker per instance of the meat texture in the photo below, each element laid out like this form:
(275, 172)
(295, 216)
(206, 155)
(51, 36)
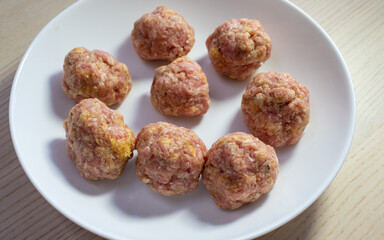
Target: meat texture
(275, 107)
(239, 169)
(170, 158)
(162, 35)
(238, 47)
(95, 74)
(98, 141)
(180, 89)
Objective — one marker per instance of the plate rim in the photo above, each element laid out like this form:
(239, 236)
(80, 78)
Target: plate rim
(252, 234)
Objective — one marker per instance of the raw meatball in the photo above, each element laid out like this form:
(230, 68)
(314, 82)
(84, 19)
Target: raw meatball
(238, 47)
(239, 169)
(275, 107)
(162, 35)
(180, 89)
(98, 141)
(170, 158)
(95, 74)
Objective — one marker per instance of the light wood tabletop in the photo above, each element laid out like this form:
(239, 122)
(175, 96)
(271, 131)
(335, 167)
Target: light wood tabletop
(352, 207)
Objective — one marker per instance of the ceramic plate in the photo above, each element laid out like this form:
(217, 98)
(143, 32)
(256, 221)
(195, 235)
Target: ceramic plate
(125, 208)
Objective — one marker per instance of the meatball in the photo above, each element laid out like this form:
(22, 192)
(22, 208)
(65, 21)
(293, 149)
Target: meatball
(98, 141)
(170, 158)
(239, 169)
(95, 74)
(180, 89)
(162, 35)
(275, 108)
(238, 47)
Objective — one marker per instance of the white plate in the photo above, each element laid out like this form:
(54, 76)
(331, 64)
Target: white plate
(126, 208)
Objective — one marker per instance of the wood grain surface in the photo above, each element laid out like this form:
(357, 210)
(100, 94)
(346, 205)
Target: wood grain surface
(352, 207)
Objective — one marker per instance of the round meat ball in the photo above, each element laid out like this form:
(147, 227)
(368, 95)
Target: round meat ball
(98, 141)
(275, 107)
(180, 89)
(162, 35)
(239, 169)
(95, 74)
(238, 47)
(170, 158)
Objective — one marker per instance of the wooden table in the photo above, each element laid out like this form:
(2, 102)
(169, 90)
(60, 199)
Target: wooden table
(351, 208)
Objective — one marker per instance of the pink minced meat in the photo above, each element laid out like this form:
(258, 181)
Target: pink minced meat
(162, 35)
(95, 74)
(275, 107)
(239, 169)
(180, 89)
(170, 158)
(98, 141)
(238, 47)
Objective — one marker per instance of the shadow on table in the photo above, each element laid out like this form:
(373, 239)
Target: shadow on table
(298, 228)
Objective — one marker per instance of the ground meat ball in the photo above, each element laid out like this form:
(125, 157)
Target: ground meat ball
(275, 107)
(162, 35)
(180, 89)
(238, 47)
(98, 141)
(170, 158)
(95, 74)
(239, 169)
